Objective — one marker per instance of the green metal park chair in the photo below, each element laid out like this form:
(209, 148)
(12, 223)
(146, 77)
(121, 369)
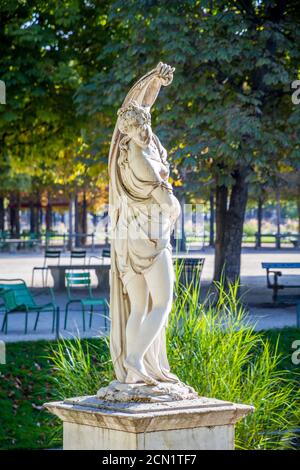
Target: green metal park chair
(17, 298)
(106, 253)
(54, 257)
(77, 255)
(82, 280)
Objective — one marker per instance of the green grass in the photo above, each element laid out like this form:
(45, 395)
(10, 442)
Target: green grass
(24, 387)
(285, 337)
(212, 348)
(27, 381)
(233, 364)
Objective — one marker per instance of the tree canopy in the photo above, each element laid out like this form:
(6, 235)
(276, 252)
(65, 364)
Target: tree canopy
(227, 120)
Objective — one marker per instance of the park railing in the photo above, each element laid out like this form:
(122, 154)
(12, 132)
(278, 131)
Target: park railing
(278, 240)
(12, 243)
(46, 240)
(67, 241)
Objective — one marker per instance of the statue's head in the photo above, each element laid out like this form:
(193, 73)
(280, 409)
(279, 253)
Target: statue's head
(135, 121)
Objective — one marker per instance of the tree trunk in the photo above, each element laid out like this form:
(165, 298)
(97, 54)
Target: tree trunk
(35, 215)
(2, 214)
(71, 217)
(278, 217)
(234, 226)
(212, 219)
(259, 221)
(221, 211)
(230, 224)
(39, 217)
(14, 212)
(298, 207)
(84, 219)
(182, 244)
(32, 216)
(18, 225)
(49, 217)
(77, 221)
(12, 223)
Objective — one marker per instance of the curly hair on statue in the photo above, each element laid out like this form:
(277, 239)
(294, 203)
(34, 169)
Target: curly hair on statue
(132, 115)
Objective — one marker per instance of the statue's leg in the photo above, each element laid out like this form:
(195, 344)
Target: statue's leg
(159, 280)
(138, 296)
(138, 293)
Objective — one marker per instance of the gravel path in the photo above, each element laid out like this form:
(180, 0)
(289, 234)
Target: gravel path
(257, 297)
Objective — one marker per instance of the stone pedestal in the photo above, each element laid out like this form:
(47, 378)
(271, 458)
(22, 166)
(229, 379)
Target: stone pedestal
(93, 424)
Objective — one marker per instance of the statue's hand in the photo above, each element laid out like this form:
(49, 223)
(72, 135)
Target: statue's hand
(165, 73)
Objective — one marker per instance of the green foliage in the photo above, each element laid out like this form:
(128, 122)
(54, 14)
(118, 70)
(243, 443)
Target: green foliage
(30, 379)
(230, 102)
(67, 66)
(25, 385)
(231, 91)
(213, 349)
(42, 63)
(26, 382)
(79, 367)
(250, 228)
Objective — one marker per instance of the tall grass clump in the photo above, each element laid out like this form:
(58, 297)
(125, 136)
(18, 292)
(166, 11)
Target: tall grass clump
(213, 348)
(80, 366)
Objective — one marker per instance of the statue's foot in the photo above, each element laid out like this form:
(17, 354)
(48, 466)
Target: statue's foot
(137, 371)
(169, 379)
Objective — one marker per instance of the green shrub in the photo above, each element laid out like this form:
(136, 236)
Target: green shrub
(213, 348)
(250, 228)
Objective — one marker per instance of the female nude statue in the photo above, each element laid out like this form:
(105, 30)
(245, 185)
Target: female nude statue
(143, 211)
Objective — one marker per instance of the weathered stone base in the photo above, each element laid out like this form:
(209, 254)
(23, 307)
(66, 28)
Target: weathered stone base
(140, 392)
(78, 436)
(202, 423)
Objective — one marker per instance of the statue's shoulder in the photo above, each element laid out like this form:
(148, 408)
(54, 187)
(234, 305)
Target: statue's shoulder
(130, 152)
(141, 164)
(133, 147)
(135, 152)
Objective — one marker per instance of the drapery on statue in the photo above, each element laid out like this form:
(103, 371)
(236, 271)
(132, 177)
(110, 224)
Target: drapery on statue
(143, 211)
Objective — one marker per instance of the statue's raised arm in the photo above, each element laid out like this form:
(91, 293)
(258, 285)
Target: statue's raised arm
(144, 92)
(146, 89)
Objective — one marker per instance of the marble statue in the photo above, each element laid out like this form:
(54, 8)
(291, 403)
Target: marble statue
(146, 407)
(143, 211)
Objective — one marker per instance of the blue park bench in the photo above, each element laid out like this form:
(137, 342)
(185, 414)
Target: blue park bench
(274, 269)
